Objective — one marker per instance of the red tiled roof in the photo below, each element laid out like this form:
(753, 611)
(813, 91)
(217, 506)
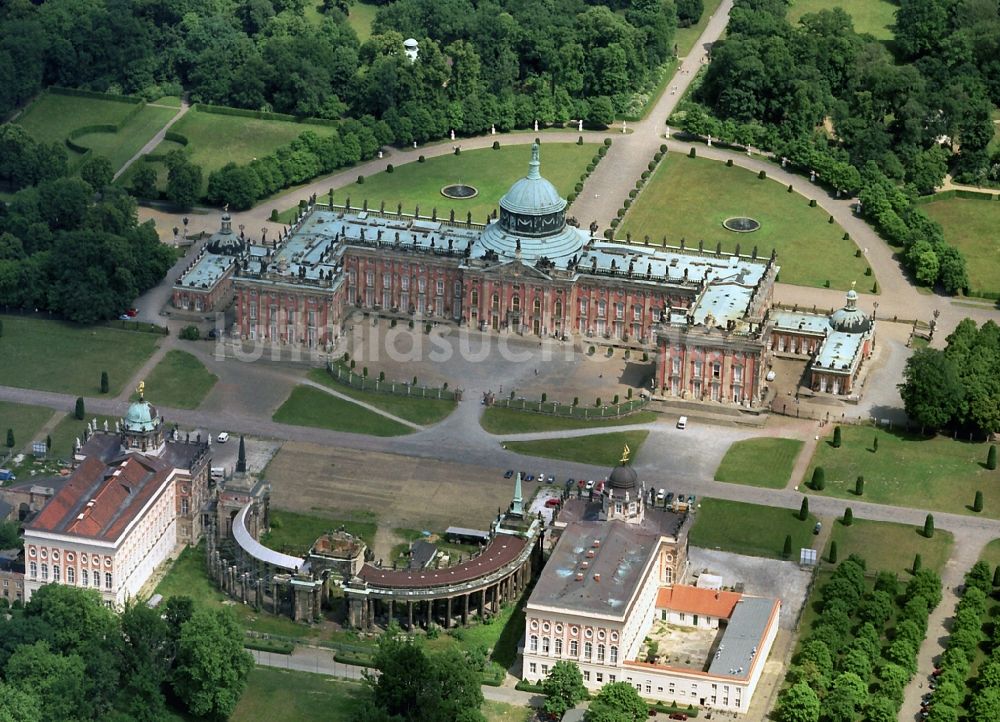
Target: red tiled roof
(502, 551)
(711, 603)
(119, 491)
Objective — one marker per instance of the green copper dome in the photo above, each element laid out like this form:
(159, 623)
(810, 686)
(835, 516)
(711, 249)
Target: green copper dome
(141, 416)
(532, 195)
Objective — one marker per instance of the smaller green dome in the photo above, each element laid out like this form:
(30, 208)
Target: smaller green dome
(141, 416)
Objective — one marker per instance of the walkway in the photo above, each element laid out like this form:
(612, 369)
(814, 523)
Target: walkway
(156, 139)
(319, 660)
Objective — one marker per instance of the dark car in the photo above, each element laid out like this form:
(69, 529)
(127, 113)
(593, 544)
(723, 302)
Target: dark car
(529, 477)
(670, 497)
(509, 473)
(678, 715)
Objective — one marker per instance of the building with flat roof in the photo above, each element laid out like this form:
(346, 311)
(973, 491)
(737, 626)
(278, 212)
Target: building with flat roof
(614, 582)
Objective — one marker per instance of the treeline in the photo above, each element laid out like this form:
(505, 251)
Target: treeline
(827, 98)
(304, 158)
(62, 252)
(956, 387)
(26, 162)
(844, 670)
(498, 62)
(948, 701)
(65, 657)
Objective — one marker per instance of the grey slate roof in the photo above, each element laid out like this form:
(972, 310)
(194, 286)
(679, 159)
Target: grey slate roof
(743, 637)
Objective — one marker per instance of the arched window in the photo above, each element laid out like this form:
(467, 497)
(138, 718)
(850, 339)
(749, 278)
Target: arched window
(537, 305)
(84, 577)
(107, 580)
(614, 655)
(558, 309)
(559, 647)
(600, 652)
(574, 648)
(588, 650)
(515, 302)
(475, 297)
(45, 572)
(70, 575)
(545, 645)
(533, 643)
(97, 579)
(496, 301)
(33, 569)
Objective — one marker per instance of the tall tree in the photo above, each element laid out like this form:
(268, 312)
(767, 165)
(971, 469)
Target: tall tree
(932, 390)
(563, 688)
(211, 668)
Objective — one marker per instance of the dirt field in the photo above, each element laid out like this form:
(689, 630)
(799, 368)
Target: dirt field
(399, 491)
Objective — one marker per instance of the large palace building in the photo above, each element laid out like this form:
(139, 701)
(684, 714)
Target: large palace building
(132, 497)
(529, 270)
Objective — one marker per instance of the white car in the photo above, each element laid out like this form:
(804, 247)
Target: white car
(770, 376)
(661, 494)
(223, 437)
(590, 484)
(682, 423)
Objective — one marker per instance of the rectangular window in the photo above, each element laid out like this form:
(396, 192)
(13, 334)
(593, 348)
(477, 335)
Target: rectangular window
(545, 669)
(532, 667)
(716, 370)
(649, 688)
(533, 643)
(440, 288)
(70, 575)
(559, 647)
(33, 570)
(586, 675)
(637, 313)
(85, 577)
(107, 580)
(370, 278)
(421, 285)
(97, 579)
(600, 677)
(404, 283)
(612, 678)
(588, 647)
(574, 648)
(545, 645)
(737, 373)
(45, 572)
(386, 280)
(185, 507)
(619, 310)
(682, 616)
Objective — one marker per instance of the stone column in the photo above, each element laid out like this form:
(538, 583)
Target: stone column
(447, 616)
(482, 603)
(390, 611)
(409, 616)
(465, 610)
(430, 608)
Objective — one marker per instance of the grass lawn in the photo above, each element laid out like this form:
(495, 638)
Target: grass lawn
(214, 140)
(24, 420)
(280, 694)
(971, 225)
(56, 356)
(412, 408)
(294, 533)
(875, 17)
(759, 531)
(173, 101)
(311, 407)
(492, 172)
(991, 553)
(51, 118)
(360, 19)
(681, 201)
(119, 147)
(71, 428)
(759, 462)
(908, 470)
(180, 381)
(497, 420)
(188, 577)
(890, 547)
(503, 712)
(598, 449)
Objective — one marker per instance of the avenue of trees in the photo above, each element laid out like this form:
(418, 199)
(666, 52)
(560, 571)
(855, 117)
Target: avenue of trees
(862, 649)
(888, 127)
(949, 699)
(958, 387)
(65, 657)
(62, 252)
(500, 61)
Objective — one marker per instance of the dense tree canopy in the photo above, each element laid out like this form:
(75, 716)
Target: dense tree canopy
(841, 104)
(65, 657)
(959, 386)
(61, 252)
(498, 61)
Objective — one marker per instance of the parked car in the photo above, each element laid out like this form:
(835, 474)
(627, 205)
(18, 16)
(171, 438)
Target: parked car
(509, 473)
(691, 500)
(682, 423)
(570, 482)
(551, 479)
(818, 527)
(581, 483)
(223, 437)
(7, 475)
(529, 477)
(590, 484)
(132, 312)
(661, 495)
(678, 715)
(551, 502)
(670, 497)
(124, 317)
